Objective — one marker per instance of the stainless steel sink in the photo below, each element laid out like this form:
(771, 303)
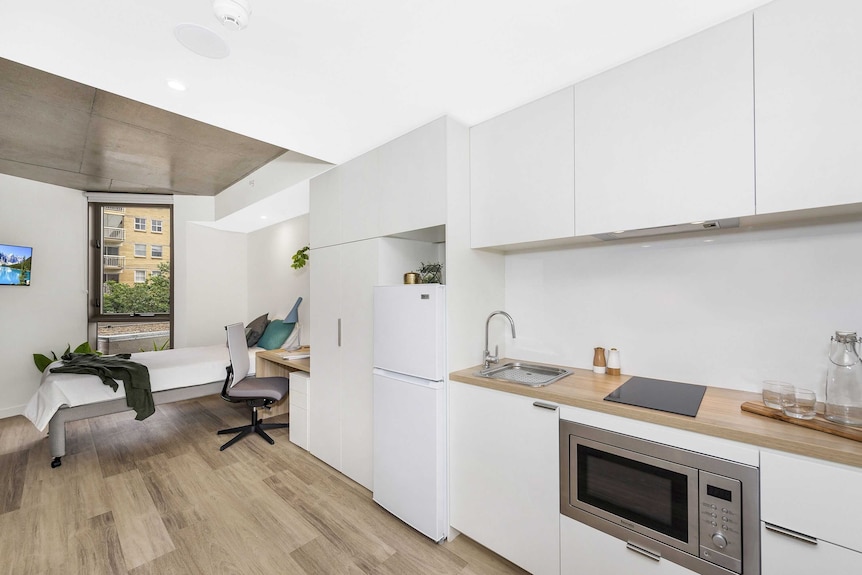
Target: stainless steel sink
(525, 373)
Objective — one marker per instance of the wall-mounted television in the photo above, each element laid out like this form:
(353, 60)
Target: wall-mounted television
(15, 265)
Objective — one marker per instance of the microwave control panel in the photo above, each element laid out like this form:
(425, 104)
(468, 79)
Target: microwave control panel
(720, 507)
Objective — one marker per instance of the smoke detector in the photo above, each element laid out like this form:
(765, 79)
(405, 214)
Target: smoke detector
(233, 14)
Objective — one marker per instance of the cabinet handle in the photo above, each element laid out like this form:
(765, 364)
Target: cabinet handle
(544, 405)
(790, 533)
(339, 332)
(645, 552)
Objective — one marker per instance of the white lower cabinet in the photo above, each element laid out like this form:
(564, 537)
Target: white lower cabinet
(782, 553)
(588, 551)
(299, 384)
(810, 510)
(504, 475)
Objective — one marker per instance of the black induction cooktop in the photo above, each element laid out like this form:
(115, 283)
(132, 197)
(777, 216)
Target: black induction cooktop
(671, 396)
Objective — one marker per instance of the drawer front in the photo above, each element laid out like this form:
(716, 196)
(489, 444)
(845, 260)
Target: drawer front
(299, 427)
(781, 554)
(298, 399)
(299, 382)
(815, 498)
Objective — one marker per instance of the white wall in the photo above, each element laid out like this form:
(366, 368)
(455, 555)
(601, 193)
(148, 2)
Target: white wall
(52, 311)
(748, 306)
(272, 285)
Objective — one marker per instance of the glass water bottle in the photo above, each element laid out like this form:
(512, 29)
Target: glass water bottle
(844, 380)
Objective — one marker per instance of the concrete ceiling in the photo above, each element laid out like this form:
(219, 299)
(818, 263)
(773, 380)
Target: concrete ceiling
(332, 79)
(64, 133)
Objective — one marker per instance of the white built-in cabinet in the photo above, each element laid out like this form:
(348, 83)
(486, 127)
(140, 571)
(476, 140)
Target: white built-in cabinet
(808, 57)
(299, 402)
(810, 513)
(669, 137)
(522, 178)
(504, 475)
(342, 280)
(588, 551)
(398, 187)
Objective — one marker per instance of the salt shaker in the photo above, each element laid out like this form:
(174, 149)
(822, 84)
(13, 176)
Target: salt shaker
(599, 360)
(614, 361)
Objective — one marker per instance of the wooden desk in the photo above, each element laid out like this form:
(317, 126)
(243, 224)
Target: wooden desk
(271, 363)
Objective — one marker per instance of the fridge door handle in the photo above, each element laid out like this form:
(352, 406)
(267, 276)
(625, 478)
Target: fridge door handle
(339, 332)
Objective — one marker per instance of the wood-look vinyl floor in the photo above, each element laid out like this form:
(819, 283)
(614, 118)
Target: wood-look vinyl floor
(158, 497)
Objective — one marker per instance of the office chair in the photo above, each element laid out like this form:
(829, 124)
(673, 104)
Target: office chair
(255, 391)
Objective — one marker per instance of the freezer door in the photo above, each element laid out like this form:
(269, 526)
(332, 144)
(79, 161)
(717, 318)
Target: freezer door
(409, 451)
(410, 330)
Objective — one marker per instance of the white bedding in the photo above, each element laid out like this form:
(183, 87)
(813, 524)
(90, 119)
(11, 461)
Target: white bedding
(169, 369)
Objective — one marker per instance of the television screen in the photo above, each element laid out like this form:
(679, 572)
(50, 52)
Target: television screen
(15, 263)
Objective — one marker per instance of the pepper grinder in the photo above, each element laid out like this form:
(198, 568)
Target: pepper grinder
(599, 360)
(613, 361)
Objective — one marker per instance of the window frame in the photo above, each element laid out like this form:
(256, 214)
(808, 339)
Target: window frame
(153, 226)
(143, 253)
(153, 251)
(94, 303)
(143, 227)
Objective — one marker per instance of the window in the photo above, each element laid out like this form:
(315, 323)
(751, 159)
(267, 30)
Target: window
(130, 307)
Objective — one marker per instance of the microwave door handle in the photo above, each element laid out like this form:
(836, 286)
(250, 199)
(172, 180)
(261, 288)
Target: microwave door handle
(645, 552)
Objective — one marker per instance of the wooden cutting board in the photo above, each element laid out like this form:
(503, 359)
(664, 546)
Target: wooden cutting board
(819, 422)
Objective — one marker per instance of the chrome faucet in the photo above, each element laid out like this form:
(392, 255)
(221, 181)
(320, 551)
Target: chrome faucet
(488, 358)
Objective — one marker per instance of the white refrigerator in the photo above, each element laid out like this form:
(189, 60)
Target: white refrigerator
(409, 422)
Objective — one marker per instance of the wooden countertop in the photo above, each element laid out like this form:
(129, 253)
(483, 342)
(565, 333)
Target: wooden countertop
(719, 415)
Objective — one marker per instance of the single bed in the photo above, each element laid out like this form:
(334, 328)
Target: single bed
(175, 375)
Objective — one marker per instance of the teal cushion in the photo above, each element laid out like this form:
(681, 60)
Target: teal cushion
(275, 334)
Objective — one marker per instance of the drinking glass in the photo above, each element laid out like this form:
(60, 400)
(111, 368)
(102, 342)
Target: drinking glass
(800, 405)
(773, 391)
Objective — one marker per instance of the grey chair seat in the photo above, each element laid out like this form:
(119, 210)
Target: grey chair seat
(273, 388)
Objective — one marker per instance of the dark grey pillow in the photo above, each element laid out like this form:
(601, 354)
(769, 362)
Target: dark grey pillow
(255, 329)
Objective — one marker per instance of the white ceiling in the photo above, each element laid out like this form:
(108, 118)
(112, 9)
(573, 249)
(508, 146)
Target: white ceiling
(334, 78)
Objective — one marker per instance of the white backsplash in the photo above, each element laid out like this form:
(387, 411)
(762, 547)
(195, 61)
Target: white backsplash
(726, 310)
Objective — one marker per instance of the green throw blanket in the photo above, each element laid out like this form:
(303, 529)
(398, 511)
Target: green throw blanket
(109, 368)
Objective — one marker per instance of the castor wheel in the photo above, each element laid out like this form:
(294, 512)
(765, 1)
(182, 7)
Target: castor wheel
(56, 462)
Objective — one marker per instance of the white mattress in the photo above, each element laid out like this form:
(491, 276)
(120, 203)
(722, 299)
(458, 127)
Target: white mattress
(169, 369)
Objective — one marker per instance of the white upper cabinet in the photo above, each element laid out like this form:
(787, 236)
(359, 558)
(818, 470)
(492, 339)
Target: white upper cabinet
(668, 138)
(808, 58)
(413, 180)
(522, 174)
(398, 187)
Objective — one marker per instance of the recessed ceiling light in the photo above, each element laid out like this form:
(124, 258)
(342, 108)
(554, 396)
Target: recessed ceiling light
(201, 40)
(263, 217)
(177, 85)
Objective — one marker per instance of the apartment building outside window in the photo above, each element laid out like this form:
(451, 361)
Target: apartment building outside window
(131, 301)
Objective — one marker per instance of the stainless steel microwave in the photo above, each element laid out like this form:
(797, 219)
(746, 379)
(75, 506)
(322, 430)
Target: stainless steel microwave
(696, 510)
